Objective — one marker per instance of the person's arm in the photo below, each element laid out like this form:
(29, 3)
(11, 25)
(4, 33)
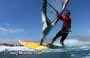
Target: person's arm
(59, 16)
(63, 8)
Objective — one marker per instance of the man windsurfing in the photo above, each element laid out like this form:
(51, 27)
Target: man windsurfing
(66, 28)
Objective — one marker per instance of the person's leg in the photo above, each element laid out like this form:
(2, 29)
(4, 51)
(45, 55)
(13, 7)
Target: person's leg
(64, 35)
(50, 45)
(57, 36)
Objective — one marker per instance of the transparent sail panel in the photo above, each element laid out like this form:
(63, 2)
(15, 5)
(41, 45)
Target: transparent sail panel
(57, 4)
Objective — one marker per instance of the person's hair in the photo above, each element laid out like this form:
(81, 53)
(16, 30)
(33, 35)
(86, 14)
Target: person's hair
(67, 12)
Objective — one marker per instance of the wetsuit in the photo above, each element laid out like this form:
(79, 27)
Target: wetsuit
(65, 28)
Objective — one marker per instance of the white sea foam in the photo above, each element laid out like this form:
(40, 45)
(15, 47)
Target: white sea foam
(70, 45)
(3, 48)
(74, 42)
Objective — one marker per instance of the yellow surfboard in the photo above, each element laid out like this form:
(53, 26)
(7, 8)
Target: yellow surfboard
(31, 44)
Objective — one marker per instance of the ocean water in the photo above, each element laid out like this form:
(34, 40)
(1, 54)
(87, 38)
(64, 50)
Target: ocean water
(73, 49)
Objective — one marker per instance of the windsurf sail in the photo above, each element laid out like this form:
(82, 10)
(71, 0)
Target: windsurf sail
(49, 9)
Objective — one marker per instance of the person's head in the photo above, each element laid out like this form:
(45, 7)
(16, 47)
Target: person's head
(66, 12)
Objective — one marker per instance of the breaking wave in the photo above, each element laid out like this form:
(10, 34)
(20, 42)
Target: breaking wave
(69, 45)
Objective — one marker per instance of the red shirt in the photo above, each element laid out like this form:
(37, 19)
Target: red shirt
(66, 22)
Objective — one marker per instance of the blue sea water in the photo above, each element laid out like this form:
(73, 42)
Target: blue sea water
(67, 54)
(76, 50)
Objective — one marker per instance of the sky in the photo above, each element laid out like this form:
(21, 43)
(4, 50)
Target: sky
(21, 19)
